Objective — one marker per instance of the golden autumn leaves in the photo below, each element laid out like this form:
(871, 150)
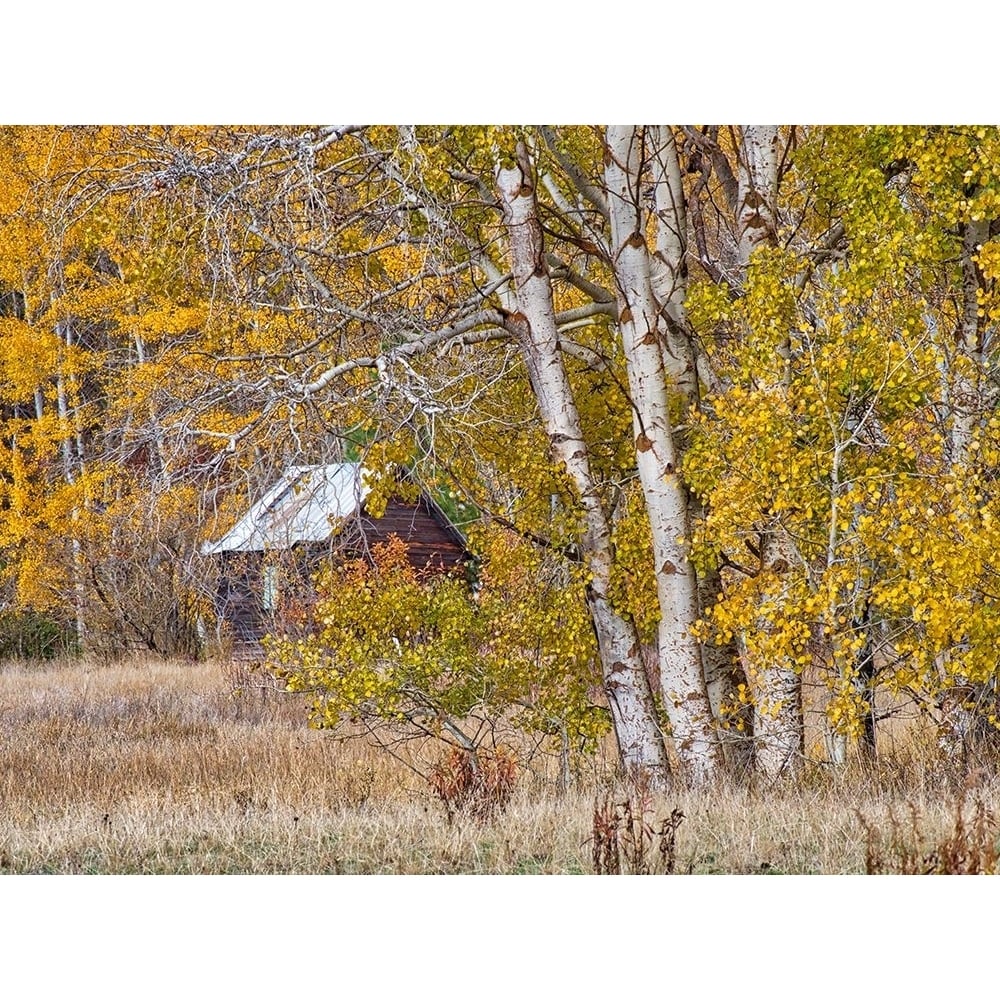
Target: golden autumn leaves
(173, 341)
(431, 656)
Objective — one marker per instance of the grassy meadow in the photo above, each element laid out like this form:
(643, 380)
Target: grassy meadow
(146, 767)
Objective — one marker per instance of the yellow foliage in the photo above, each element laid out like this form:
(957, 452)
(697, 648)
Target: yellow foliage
(427, 653)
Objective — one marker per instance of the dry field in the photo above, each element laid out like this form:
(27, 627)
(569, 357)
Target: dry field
(151, 767)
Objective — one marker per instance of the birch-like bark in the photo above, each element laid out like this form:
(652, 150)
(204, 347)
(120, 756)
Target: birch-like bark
(723, 667)
(966, 394)
(684, 364)
(158, 453)
(758, 188)
(630, 699)
(960, 725)
(668, 268)
(643, 338)
(776, 688)
(71, 462)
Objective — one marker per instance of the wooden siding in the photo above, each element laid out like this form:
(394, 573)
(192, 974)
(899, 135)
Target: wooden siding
(433, 546)
(431, 543)
(238, 597)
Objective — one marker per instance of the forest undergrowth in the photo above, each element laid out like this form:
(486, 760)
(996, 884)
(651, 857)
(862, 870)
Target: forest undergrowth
(148, 767)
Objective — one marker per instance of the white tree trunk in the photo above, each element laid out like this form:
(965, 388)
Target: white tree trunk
(970, 401)
(778, 731)
(758, 188)
(776, 687)
(71, 464)
(668, 267)
(723, 668)
(966, 393)
(643, 339)
(684, 364)
(836, 747)
(630, 699)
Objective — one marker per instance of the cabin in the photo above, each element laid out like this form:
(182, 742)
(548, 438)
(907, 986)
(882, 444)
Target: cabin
(314, 514)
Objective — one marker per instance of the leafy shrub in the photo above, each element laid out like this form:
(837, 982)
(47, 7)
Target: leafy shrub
(34, 635)
(479, 784)
(394, 649)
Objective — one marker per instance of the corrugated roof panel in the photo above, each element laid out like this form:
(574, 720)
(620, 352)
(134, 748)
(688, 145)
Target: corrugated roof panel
(303, 506)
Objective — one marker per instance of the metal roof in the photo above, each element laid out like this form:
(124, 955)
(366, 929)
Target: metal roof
(305, 505)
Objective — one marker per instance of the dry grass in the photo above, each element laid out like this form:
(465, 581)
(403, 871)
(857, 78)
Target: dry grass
(150, 767)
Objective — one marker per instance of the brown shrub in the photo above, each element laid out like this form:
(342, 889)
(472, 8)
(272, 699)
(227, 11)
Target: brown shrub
(479, 784)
